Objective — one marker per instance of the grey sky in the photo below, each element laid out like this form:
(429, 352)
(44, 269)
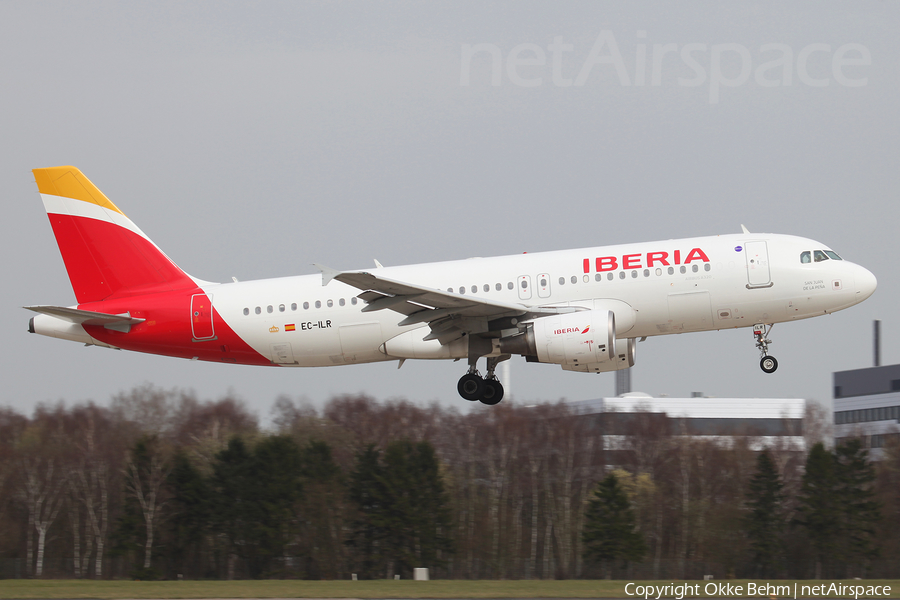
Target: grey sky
(253, 139)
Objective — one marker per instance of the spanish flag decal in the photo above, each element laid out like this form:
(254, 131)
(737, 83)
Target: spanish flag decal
(290, 327)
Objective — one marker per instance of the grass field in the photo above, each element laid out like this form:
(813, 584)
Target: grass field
(22, 588)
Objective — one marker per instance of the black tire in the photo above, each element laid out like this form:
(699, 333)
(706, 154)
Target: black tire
(470, 387)
(768, 364)
(493, 392)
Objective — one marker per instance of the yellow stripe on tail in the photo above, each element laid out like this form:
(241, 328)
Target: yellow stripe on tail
(69, 182)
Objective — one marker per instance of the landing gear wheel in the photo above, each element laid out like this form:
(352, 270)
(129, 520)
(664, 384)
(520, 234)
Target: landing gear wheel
(471, 387)
(768, 364)
(493, 392)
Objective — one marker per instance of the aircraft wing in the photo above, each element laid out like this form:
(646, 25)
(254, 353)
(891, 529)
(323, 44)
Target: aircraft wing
(448, 314)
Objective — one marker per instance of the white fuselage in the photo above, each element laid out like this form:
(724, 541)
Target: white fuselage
(747, 279)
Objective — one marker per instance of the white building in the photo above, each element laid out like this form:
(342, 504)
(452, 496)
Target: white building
(867, 405)
(765, 422)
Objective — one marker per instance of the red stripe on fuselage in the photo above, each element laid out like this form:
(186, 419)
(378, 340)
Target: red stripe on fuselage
(105, 260)
(167, 329)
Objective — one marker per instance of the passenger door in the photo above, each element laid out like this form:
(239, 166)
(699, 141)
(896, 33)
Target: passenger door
(757, 255)
(202, 317)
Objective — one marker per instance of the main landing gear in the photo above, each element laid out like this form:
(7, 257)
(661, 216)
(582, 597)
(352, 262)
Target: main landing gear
(761, 332)
(488, 389)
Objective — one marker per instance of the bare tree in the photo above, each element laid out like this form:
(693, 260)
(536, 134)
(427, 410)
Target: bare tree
(42, 492)
(89, 481)
(145, 475)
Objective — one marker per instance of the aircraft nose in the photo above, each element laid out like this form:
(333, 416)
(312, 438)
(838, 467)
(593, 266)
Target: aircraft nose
(865, 283)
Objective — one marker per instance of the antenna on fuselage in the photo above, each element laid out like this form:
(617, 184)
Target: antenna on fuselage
(744, 229)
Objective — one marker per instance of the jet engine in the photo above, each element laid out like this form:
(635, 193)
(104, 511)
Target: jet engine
(583, 341)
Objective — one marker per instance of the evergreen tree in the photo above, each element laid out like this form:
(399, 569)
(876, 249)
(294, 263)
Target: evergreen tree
(859, 511)
(322, 508)
(421, 517)
(369, 494)
(257, 495)
(609, 528)
(817, 510)
(404, 517)
(765, 519)
(234, 506)
(277, 472)
(189, 513)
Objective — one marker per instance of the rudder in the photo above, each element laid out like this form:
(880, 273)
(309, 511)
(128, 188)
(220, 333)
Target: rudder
(105, 253)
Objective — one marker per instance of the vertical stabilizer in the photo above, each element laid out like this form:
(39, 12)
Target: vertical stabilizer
(106, 255)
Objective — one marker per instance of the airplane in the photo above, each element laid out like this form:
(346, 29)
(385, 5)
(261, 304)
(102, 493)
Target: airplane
(582, 309)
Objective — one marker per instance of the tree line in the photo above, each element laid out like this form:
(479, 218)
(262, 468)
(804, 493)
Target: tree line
(160, 484)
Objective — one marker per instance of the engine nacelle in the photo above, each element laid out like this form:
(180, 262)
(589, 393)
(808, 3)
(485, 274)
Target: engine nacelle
(572, 339)
(625, 351)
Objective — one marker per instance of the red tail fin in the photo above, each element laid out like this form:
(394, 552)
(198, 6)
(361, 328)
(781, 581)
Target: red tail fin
(106, 255)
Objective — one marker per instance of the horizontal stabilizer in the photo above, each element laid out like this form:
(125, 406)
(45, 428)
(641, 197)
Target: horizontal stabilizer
(121, 322)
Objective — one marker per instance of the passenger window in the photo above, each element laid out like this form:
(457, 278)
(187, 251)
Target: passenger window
(246, 311)
(819, 256)
(353, 300)
(574, 279)
(683, 269)
(695, 268)
(341, 302)
(609, 276)
(706, 267)
(658, 271)
(474, 289)
(258, 310)
(318, 304)
(450, 290)
(269, 309)
(281, 308)
(487, 287)
(509, 285)
(621, 274)
(598, 277)
(562, 281)
(330, 303)
(805, 257)
(293, 306)
(671, 270)
(634, 274)
(543, 282)
(524, 284)
(646, 272)
(462, 290)
(306, 306)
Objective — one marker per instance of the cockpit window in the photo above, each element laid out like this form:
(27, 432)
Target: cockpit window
(820, 256)
(833, 255)
(805, 257)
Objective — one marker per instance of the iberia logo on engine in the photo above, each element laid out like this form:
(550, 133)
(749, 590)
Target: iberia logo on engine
(569, 330)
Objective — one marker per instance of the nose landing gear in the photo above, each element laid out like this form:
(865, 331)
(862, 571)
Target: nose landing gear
(488, 389)
(761, 332)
